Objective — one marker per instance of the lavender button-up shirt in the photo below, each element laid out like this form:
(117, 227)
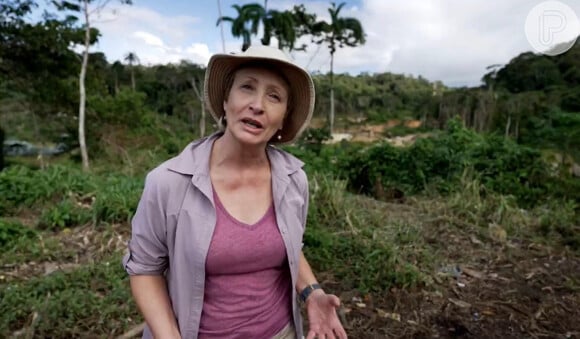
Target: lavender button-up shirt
(175, 220)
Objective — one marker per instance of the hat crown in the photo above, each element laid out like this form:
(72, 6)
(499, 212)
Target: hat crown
(259, 51)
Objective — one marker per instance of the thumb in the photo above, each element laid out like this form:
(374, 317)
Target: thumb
(335, 301)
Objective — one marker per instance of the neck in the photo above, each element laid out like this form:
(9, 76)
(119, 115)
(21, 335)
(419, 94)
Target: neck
(227, 151)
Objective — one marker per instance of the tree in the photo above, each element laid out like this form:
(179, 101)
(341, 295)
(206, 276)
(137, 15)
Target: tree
(132, 59)
(192, 74)
(82, 90)
(287, 27)
(1, 150)
(246, 23)
(83, 6)
(338, 33)
(221, 24)
(199, 93)
(33, 54)
(117, 69)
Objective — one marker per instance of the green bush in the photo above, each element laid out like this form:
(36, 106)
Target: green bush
(342, 237)
(559, 220)
(66, 213)
(94, 301)
(127, 107)
(313, 138)
(23, 187)
(11, 231)
(118, 199)
(59, 191)
(438, 162)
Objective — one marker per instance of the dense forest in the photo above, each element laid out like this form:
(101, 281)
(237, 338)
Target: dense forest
(533, 99)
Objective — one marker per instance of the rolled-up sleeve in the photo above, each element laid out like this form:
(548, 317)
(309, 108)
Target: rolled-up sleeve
(147, 249)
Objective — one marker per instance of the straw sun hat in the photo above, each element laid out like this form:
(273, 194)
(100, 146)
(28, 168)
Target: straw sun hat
(221, 66)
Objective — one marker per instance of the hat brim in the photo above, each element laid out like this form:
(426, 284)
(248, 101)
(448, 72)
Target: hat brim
(221, 66)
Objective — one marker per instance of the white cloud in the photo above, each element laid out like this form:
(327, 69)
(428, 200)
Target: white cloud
(155, 38)
(149, 38)
(199, 52)
(448, 40)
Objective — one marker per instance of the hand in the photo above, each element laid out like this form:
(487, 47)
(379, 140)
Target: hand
(322, 318)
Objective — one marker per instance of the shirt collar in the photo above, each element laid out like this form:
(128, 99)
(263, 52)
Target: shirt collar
(194, 159)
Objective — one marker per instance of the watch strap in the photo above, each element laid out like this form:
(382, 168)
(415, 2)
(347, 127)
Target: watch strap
(307, 290)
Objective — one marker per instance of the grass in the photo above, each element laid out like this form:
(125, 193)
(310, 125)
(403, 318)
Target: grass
(93, 299)
(71, 217)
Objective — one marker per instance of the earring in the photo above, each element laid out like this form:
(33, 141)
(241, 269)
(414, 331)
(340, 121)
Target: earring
(223, 121)
(279, 136)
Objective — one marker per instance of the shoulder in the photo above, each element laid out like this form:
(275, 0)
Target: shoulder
(284, 159)
(291, 165)
(176, 171)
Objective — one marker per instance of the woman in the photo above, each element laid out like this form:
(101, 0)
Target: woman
(216, 246)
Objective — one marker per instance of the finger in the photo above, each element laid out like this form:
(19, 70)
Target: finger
(311, 335)
(340, 333)
(335, 301)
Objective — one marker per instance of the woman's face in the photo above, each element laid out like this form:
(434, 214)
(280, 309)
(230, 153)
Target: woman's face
(256, 105)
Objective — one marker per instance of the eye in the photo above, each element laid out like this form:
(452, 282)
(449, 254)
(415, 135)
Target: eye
(247, 86)
(276, 97)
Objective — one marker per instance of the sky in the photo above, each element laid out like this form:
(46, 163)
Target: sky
(452, 41)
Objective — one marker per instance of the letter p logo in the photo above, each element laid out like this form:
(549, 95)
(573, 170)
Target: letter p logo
(552, 27)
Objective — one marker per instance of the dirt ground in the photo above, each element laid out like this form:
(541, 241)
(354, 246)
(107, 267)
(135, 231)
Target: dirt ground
(518, 291)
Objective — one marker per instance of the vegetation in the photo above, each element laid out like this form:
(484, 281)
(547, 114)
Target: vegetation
(474, 227)
(339, 32)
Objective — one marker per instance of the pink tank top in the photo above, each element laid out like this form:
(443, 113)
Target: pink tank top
(248, 285)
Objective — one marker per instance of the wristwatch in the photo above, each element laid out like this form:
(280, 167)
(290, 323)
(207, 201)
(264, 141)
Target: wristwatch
(307, 290)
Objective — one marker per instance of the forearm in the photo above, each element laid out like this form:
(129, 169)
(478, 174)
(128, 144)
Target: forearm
(150, 294)
(305, 275)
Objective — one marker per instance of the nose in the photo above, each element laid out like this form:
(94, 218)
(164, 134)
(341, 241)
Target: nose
(257, 104)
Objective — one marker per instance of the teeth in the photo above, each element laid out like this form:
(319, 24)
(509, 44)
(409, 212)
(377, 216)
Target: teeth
(252, 123)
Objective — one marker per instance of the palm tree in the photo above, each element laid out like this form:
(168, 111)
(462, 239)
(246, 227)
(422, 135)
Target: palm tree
(287, 27)
(246, 23)
(132, 59)
(219, 3)
(280, 25)
(339, 33)
(117, 69)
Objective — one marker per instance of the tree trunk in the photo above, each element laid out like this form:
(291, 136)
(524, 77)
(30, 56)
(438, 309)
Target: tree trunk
(1, 152)
(331, 125)
(221, 26)
(132, 78)
(507, 126)
(198, 93)
(82, 101)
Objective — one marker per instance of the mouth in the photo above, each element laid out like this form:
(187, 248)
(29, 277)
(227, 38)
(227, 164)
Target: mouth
(252, 123)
